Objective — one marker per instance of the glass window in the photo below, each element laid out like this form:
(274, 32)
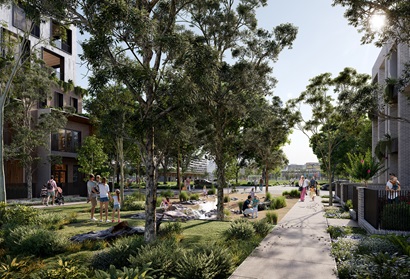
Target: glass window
(66, 141)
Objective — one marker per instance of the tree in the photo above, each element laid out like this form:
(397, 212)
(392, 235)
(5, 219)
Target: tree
(393, 16)
(91, 155)
(266, 131)
(223, 90)
(329, 118)
(28, 133)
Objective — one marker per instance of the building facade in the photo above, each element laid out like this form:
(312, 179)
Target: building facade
(56, 45)
(392, 133)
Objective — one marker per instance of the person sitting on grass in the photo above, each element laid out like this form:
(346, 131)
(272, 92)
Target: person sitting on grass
(247, 207)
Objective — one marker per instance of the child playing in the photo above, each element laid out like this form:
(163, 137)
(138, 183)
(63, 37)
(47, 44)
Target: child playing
(255, 202)
(43, 194)
(117, 205)
(312, 192)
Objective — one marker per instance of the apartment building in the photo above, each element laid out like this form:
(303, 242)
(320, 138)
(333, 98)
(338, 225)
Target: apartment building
(393, 132)
(56, 45)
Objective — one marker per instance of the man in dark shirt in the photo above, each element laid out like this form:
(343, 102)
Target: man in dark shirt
(247, 207)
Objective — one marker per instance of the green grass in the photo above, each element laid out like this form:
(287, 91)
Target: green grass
(198, 231)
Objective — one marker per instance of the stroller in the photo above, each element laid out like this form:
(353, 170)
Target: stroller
(59, 199)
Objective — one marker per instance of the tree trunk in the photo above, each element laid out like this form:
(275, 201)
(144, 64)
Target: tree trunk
(120, 149)
(266, 179)
(29, 180)
(220, 170)
(2, 176)
(151, 190)
(330, 173)
(178, 171)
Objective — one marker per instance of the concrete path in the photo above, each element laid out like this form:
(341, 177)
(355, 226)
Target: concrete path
(298, 247)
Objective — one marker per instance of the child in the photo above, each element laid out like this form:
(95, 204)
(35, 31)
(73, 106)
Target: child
(312, 192)
(255, 202)
(205, 192)
(105, 196)
(117, 205)
(43, 194)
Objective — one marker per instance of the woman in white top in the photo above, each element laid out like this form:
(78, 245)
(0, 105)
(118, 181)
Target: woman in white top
(104, 198)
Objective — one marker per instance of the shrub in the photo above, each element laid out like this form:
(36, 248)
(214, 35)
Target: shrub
(136, 201)
(29, 240)
(17, 268)
(375, 245)
(162, 256)
(396, 217)
(268, 196)
(278, 202)
(292, 194)
(242, 229)
(348, 205)
(65, 269)
(194, 197)
(208, 261)
(262, 227)
(212, 191)
(271, 217)
(18, 215)
(183, 196)
(383, 265)
(118, 254)
(167, 194)
(125, 273)
(240, 204)
(171, 229)
(285, 193)
(226, 199)
(344, 249)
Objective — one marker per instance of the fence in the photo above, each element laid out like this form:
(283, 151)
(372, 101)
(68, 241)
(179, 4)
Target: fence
(387, 211)
(377, 210)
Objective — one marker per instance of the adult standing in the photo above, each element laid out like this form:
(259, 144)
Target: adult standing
(105, 196)
(187, 183)
(92, 195)
(51, 190)
(304, 183)
(261, 184)
(392, 188)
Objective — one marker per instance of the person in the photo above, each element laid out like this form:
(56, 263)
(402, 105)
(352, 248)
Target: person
(51, 190)
(105, 196)
(313, 181)
(205, 192)
(255, 203)
(92, 195)
(261, 184)
(43, 194)
(187, 183)
(312, 192)
(392, 188)
(166, 203)
(252, 193)
(304, 183)
(117, 205)
(247, 207)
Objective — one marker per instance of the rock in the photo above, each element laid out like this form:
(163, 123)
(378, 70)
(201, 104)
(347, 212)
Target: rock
(119, 230)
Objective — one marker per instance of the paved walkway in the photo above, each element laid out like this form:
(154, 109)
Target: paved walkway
(298, 247)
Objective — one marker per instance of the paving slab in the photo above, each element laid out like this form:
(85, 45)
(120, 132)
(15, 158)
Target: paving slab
(298, 247)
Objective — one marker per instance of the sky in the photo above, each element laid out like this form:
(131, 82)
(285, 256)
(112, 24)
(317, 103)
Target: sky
(325, 43)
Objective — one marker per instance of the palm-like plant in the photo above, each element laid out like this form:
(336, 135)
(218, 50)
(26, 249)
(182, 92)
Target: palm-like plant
(363, 167)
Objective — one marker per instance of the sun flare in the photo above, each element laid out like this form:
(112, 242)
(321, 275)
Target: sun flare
(377, 21)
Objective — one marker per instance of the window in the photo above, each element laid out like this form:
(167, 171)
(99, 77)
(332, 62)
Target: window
(54, 61)
(61, 37)
(21, 22)
(58, 100)
(66, 141)
(74, 103)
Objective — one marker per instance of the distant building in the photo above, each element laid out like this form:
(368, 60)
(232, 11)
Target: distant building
(394, 134)
(294, 171)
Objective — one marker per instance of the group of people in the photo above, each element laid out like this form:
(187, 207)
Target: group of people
(250, 206)
(305, 185)
(99, 188)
